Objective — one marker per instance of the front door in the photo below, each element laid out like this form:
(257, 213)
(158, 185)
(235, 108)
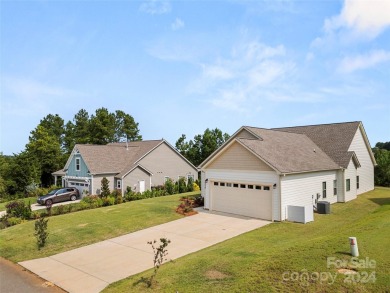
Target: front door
(142, 186)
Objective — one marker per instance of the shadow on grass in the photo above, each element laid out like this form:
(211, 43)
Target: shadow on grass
(343, 253)
(381, 201)
(144, 280)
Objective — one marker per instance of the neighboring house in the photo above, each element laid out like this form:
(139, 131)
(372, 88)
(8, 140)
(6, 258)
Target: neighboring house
(139, 165)
(260, 172)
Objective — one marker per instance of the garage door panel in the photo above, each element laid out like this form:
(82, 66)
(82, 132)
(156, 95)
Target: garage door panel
(242, 201)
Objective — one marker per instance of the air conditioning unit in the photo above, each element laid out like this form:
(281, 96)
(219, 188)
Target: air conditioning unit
(300, 214)
(323, 207)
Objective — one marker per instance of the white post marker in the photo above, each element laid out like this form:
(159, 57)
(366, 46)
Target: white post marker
(354, 246)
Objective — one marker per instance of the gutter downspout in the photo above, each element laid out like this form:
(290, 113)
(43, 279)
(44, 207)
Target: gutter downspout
(91, 184)
(280, 195)
(122, 186)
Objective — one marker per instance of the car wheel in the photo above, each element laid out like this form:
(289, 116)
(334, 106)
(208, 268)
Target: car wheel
(49, 202)
(73, 198)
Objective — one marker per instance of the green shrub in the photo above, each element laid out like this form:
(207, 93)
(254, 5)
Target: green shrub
(169, 186)
(108, 201)
(117, 194)
(14, 221)
(190, 184)
(182, 186)
(19, 209)
(105, 189)
(93, 201)
(7, 221)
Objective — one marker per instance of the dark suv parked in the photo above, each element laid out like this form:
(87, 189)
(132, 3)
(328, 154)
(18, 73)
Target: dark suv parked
(58, 195)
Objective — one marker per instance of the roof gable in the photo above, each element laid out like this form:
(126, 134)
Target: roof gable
(289, 152)
(114, 157)
(334, 139)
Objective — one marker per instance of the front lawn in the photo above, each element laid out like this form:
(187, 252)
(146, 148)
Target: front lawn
(27, 200)
(287, 257)
(77, 229)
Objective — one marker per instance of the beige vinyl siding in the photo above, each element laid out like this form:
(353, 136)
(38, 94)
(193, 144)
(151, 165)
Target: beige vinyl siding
(250, 177)
(236, 157)
(132, 180)
(299, 189)
(245, 134)
(97, 183)
(350, 173)
(163, 161)
(366, 171)
(340, 186)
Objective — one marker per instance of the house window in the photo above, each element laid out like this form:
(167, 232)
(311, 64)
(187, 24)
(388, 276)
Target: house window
(266, 188)
(215, 183)
(166, 178)
(119, 184)
(250, 186)
(77, 164)
(242, 186)
(222, 184)
(235, 185)
(357, 182)
(323, 189)
(258, 187)
(190, 177)
(348, 184)
(334, 187)
(228, 184)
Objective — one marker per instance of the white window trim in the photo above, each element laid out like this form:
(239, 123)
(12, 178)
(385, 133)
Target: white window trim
(166, 178)
(78, 164)
(119, 184)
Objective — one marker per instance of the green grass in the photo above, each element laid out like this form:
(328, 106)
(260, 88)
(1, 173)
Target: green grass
(77, 229)
(26, 200)
(257, 261)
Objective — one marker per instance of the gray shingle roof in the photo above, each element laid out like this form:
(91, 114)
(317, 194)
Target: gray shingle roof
(114, 157)
(334, 139)
(288, 152)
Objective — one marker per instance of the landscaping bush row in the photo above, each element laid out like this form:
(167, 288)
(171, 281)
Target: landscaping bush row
(18, 211)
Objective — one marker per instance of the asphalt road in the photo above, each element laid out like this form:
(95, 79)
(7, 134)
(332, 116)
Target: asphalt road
(15, 279)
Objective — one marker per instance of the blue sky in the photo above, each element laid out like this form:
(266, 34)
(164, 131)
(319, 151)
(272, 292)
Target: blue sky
(184, 66)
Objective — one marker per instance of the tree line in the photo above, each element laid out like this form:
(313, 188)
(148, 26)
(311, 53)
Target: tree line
(382, 170)
(52, 141)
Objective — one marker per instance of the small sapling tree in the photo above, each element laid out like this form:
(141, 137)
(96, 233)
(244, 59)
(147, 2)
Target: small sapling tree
(41, 232)
(160, 252)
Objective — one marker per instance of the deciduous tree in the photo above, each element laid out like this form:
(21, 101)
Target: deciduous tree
(202, 146)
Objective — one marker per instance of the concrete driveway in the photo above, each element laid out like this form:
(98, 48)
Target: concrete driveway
(93, 267)
(37, 206)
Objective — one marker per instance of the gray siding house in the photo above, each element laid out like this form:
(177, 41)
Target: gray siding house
(139, 165)
(261, 172)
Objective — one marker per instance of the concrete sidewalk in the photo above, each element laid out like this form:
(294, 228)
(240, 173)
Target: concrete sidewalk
(91, 268)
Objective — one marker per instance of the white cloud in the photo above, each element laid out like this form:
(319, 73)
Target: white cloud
(217, 72)
(177, 24)
(362, 17)
(350, 64)
(155, 7)
(248, 75)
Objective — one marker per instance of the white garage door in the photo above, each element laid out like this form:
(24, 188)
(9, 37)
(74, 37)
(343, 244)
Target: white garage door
(81, 186)
(252, 200)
